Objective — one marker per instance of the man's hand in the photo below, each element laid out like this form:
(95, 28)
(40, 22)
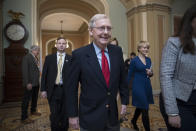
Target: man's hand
(123, 109)
(29, 86)
(74, 122)
(44, 94)
(174, 121)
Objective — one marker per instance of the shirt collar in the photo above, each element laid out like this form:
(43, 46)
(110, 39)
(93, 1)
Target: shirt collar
(61, 53)
(97, 49)
(32, 54)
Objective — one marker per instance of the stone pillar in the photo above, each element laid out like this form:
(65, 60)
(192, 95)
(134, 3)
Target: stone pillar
(1, 55)
(150, 22)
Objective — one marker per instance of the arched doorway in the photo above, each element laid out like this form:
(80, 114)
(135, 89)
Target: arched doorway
(83, 10)
(51, 47)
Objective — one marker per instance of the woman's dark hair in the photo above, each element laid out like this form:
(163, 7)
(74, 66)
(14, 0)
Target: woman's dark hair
(186, 30)
(114, 39)
(132, 54)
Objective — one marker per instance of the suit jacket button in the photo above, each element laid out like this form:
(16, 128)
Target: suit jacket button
(109, 93)
(107, 106)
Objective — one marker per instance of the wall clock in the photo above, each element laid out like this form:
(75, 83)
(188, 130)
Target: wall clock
(16, 32)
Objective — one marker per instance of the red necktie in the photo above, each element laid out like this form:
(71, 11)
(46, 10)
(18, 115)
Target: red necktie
(105, 68)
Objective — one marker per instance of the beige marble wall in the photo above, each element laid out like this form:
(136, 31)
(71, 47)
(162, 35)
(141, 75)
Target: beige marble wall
(86, 37)
(149, 22)
(157, 38)
(1, 55)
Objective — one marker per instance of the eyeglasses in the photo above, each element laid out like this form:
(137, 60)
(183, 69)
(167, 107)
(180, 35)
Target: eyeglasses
(103, 28)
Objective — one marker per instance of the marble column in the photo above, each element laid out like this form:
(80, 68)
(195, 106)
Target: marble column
(1, 55)
(150, 22)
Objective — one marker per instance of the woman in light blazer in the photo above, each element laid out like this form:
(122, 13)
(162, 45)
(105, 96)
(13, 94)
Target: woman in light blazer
(178, 76)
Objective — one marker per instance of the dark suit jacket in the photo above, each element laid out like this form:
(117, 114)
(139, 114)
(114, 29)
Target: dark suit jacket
(49, 73)
(30, 70)
(95, 95)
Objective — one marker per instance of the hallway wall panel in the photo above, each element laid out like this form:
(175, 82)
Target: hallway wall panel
(1, 55)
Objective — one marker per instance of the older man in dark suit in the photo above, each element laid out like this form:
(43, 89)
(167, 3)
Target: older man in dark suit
(54, 77)
(99, 67)
(30, 74)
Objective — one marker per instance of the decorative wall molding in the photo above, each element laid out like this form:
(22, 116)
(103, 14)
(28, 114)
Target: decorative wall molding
(129, 4)
(56, 32)
(149, 7)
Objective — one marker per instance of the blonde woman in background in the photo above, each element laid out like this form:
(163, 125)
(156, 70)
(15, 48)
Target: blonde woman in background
(140, 72)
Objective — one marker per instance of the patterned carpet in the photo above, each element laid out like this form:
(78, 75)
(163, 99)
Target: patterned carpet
(10, 118)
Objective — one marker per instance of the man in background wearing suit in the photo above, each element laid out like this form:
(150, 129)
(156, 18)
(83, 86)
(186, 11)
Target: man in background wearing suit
(99, 67)
(30, 75)
(54, 77)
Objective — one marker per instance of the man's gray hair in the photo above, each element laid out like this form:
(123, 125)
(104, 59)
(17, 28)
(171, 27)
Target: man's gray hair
(34, 47)
(95, 18)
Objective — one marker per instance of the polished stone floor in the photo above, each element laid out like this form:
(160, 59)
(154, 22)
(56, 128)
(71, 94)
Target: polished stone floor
(10, 118)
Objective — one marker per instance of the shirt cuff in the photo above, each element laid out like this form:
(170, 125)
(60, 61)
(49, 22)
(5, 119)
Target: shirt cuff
(173, 114)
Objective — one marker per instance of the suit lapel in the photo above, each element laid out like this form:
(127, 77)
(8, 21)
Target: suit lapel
(34, 61)
(66, 61)
(55, 63)
(93, 62)
(112, 60)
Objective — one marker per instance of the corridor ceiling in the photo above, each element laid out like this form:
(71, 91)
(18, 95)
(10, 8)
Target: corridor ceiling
(71, 22)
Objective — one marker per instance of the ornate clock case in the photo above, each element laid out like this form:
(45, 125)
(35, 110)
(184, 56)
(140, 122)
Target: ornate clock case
(16, 34)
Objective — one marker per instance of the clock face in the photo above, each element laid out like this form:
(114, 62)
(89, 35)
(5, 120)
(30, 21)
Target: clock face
(15, 32)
